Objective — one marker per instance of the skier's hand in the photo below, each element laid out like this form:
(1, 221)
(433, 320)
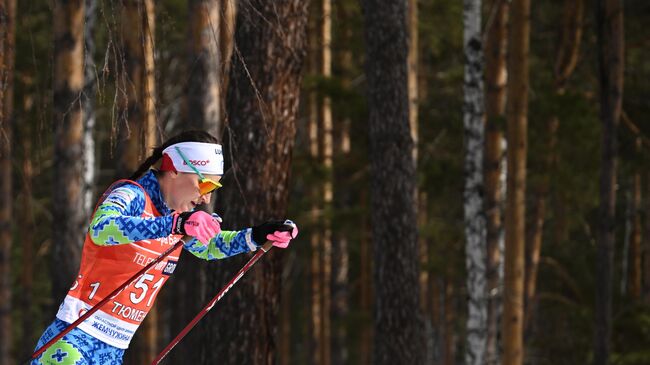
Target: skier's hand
(197, 224)
(278, 232)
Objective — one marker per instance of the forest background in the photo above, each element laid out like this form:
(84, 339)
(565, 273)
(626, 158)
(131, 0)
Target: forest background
(450, 164)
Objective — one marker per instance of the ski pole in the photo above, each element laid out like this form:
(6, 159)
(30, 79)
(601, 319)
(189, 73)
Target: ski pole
(267, 246)
(106, 299)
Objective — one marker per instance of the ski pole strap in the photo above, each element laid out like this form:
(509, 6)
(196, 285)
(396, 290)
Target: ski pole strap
(106, 299)
(267, 246)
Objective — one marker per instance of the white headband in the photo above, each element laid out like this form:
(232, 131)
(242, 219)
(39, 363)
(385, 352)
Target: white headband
(205, 157)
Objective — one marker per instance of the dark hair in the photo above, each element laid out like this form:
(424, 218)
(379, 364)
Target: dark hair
(187, 136)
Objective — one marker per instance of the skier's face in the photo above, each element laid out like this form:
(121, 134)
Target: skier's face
(182, 192)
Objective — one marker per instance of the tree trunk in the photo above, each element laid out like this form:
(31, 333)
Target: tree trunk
(315, 240)
(204, 90)
(365, 288)
(399, 330)
(138, 135)
(495, 97)
(609, 16)
(88, 105)
(227, 36)
(262, 108)
(412, 62)
(646, 243)
(475, 234)
(634, 284)
(68, 82)
(327, 188)
(449, 318)
(517, 114)
(211, 25)
(344, 201)
(26, 221)
(7, 54)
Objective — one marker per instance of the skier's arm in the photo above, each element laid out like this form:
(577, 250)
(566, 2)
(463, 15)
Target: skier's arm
(230, 243)
(118, 220)
(224, 244)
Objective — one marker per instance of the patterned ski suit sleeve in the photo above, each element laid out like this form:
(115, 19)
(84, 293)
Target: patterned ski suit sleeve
(225, 244)
(118, 219)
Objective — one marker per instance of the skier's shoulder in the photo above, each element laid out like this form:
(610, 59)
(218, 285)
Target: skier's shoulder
(125, 193)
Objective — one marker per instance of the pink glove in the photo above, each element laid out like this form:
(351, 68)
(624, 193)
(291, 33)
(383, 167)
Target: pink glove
(278, 232)
(197, 224)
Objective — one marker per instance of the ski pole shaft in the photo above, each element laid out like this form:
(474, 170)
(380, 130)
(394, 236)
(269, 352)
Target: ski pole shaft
(106, 299)
(211, 304)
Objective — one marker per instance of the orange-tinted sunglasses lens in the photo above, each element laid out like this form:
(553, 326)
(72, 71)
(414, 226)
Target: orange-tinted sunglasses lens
(207, 186)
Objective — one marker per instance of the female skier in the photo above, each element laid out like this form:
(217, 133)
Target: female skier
(135, 221)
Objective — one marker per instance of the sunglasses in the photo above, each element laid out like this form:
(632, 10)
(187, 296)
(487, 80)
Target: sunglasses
(206, 186)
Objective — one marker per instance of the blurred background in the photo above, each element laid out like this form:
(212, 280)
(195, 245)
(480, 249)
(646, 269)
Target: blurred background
(470, 178)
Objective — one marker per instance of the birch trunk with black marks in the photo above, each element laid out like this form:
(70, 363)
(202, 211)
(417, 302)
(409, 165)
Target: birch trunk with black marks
(88, 100)
(475, 230)
(496, 43)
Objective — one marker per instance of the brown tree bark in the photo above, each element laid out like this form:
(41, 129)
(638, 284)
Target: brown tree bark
(327, 153)
(7, 56)
(517, 116)
(609, 19)
(204, 92)
(68, 82)
(399, 330)
(262, 106)
(26, 241)
(139, 135)
(316, 266)
(646, 242)
(635, 254)
(365, 289)
(138, 127)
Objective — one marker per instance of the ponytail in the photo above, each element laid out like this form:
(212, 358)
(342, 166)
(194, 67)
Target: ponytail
(187, 136)
(146, 165)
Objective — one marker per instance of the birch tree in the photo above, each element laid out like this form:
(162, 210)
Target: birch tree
(496, 76)
(88, 102)
(475, 230)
